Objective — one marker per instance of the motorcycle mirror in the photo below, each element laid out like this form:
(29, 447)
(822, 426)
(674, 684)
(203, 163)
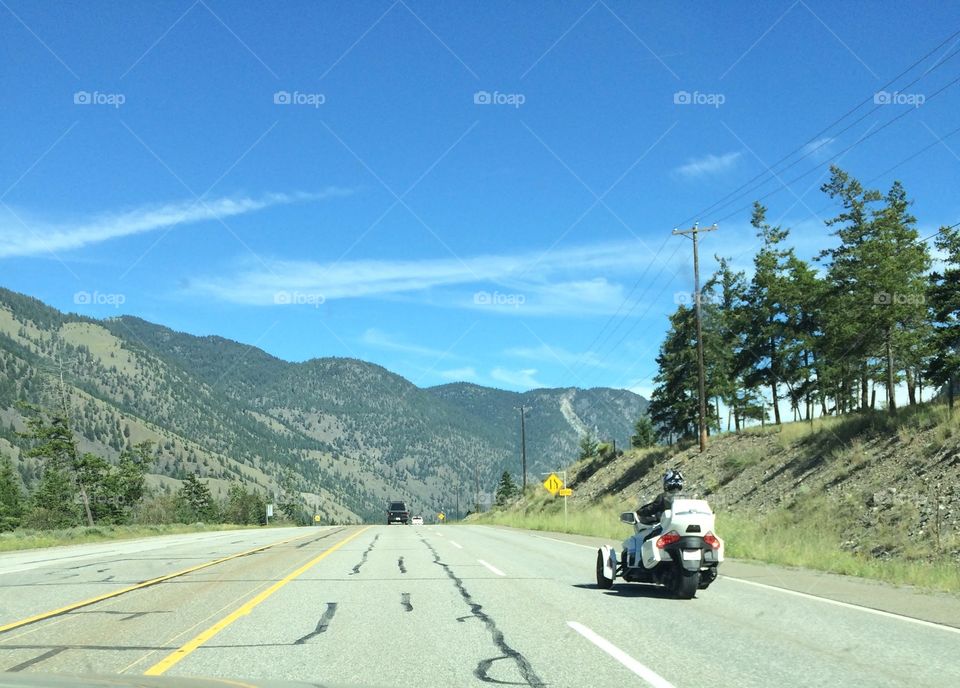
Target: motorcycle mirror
(628, 517)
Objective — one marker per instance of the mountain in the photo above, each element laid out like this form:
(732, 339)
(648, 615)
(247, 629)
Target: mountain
(354, 433)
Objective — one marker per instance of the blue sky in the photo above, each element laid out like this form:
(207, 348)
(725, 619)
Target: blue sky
(472, 190)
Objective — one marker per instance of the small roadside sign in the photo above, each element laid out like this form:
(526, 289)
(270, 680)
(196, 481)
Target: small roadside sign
(565, 492)
(316, 518)
(442, 516)
(553, 484)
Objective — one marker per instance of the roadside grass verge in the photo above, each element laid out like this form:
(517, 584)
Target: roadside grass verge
(774, 540)
(35, 539)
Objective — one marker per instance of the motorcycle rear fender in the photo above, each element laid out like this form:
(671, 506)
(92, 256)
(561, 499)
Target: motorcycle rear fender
(650, 554)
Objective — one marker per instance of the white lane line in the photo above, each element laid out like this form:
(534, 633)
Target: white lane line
(494, 569)
(868, 610)
(456, 545)
(566, 542)
(649, 675)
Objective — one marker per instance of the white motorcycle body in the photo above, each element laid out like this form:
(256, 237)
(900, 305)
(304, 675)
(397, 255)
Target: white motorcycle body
(681, 551)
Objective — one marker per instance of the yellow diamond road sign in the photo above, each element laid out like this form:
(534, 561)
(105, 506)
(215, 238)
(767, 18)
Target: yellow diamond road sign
(553, 484)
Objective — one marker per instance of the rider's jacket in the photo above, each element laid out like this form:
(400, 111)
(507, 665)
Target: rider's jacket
(654, 510)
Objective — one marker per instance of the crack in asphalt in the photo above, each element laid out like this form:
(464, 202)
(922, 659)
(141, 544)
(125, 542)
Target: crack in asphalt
(530, 677)
(363, 559)
(36, 660)
(326, 535)
(322, 625)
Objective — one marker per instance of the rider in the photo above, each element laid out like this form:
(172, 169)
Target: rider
(672, 484)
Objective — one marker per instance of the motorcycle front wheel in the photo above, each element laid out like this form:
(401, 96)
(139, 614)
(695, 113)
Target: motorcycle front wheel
(602, 581)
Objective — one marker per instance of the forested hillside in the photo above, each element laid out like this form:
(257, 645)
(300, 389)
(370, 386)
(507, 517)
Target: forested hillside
(337, 436)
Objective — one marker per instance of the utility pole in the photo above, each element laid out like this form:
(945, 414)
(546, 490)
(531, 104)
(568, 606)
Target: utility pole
(694, 233)
(459, 479)
(523, 447)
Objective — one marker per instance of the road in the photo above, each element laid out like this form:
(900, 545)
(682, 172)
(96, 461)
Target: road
(440, 606)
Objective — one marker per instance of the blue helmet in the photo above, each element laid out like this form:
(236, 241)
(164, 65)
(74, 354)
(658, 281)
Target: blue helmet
(672, 481)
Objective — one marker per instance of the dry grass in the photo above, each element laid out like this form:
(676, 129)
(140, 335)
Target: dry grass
(34, 539)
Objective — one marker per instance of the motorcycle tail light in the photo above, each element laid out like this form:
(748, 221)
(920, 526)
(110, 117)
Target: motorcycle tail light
(668, 539)
(712, 540)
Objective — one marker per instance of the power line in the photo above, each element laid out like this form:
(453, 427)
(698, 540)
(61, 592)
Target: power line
(579, 363)
(840, 154)
(733, 195)
(736, 192)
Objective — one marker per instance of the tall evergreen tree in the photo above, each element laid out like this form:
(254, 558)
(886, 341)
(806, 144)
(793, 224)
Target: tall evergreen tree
(196, 500)
(674, 404)
(54, 443)
(765, 335)
(643, 433)
(11, 496)
(507, 489)
(944, 302)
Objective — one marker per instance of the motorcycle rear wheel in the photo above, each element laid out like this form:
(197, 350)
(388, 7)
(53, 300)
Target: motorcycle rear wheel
(685, 584)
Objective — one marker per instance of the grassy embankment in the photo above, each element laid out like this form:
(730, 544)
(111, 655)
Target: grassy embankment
(32, 539)
(807, 531)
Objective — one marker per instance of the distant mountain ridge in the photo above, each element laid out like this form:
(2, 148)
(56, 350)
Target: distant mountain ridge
(355, 433)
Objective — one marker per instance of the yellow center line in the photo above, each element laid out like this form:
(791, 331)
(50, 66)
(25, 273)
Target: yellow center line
(190, 629)
(184, 651)
(147, 583)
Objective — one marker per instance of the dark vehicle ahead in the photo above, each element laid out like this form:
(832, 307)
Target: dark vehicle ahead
(397, 513)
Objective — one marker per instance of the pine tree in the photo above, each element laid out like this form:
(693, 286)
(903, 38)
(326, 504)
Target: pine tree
(54, 443)
(11, 496)
(643, 433)
(765, 337)
(195, 499)
(588, 446)
(944, 298)
(673, 404)
(53, 503)
(850, 341)
(506, 490)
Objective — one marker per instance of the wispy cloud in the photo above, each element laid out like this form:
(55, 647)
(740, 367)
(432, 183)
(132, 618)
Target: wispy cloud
(381, 340)
(465, 374)
(562, 281)
(523, 379)
(821, 149)
(43, 236)
(708, 165)
(555, 354)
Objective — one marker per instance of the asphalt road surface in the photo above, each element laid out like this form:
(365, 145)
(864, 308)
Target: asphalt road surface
(449, 606)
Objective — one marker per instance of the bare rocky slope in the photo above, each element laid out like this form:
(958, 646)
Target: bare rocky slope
(878, 486)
